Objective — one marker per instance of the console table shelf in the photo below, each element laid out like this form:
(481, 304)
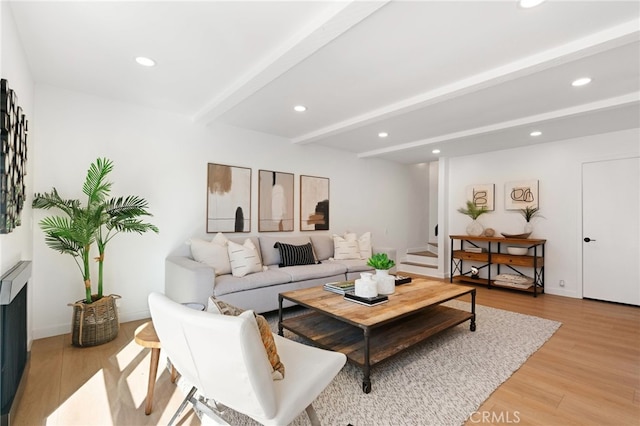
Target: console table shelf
(492, 256)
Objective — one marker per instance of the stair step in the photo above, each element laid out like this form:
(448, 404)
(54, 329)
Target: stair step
(420, 269)
(424, 253)
(423, 260)
(423, 265)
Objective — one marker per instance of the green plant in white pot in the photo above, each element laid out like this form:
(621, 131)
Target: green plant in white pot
(529, 213)
(381, 263)
(475, 228)
(74, 233)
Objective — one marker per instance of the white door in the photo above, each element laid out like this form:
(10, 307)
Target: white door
(611, 230)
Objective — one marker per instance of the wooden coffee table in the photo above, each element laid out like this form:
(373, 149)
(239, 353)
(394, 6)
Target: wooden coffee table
(368, 335)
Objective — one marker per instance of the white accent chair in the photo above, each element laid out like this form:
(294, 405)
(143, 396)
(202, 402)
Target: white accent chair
(223, 357)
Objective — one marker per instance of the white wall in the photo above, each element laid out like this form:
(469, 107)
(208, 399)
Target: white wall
(17, 245)
(558, 167)
(418, 214)
(163, 158)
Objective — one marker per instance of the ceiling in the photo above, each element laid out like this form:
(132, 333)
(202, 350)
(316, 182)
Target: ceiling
(462, 77)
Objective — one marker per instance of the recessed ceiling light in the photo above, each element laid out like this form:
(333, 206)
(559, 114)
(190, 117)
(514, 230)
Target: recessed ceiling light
(436, 151)
(535, 133)
(383, 134)
(300, 108)
(528, 4)
(581, 81)
(145, 62)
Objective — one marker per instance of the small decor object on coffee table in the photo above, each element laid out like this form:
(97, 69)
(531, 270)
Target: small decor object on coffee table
(366, 286)
(400, 279)
(340, 287)
(382, 264)
(367, 301)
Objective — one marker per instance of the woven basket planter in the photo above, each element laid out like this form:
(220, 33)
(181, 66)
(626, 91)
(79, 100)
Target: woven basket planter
(95, 323)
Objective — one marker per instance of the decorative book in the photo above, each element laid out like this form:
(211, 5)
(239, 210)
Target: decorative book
(402, 280)
(340, 287)
(367, 301)
(474, 250)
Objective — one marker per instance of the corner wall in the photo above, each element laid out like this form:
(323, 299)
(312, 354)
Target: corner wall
(163, 157)
(558, 168)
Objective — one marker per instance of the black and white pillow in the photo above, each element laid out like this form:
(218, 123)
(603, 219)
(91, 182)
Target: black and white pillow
(291, 255)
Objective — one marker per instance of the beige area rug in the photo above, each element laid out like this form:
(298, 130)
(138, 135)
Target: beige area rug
(439, 382)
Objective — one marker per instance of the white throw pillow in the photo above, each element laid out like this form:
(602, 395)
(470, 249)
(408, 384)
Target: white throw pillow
(344, 249)
(211, 253)
(244, 258)
(364, 243)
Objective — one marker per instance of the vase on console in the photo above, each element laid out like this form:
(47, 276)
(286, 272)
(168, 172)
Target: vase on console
(528, 228)
(366, 286)
(386, 283)
(475, 228)
(529, 213)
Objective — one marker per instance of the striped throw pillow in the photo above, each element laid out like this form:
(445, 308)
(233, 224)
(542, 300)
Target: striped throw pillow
(291, 255)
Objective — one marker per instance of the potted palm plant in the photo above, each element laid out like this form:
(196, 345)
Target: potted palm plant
(474, 212)
(95, 319)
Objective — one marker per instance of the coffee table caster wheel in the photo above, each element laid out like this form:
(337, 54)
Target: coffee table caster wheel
(472, 327)
(366, 387)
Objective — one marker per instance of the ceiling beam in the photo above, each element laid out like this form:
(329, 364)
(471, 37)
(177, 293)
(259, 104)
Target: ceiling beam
(595, 43)
(322, 30)
(618, 101)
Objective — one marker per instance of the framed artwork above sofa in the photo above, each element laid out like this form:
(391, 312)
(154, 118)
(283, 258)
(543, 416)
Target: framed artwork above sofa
(228, 198)
(275, 201)
(314, 203)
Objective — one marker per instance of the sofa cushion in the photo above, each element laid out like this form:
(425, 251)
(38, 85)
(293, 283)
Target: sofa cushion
(322, 246)
(270, 254)
(229, 284)
(345, 249)
(364, 243)
(270, 346)
(213, 253)
(352, 265)
(217, 306)
(308, 272)
(244, 259)
(291, 255)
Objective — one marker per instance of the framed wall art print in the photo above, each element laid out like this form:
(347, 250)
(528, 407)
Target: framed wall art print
(521, 194)
(228, 198)
(482, 195)
(13, 159)
(314, 203)
(275, 201)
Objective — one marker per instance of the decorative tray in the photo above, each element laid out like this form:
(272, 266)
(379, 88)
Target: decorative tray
(522, 236)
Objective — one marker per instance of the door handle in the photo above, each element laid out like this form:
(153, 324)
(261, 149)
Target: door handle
(588, 240)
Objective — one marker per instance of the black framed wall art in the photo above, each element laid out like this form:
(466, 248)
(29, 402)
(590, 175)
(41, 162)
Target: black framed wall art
(13, 158)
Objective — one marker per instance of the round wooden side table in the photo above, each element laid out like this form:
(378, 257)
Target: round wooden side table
(146, 336)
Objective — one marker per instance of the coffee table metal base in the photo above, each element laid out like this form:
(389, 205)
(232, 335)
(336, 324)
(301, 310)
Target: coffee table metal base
(366, 346)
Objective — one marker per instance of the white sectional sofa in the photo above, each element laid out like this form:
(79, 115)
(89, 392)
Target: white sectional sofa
(188, 280)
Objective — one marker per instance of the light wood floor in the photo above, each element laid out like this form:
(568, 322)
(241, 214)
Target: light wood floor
(588, 373)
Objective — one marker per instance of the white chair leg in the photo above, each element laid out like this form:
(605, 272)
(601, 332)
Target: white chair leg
(313, 416)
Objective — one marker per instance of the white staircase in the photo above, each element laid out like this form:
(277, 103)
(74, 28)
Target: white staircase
(421, 261)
